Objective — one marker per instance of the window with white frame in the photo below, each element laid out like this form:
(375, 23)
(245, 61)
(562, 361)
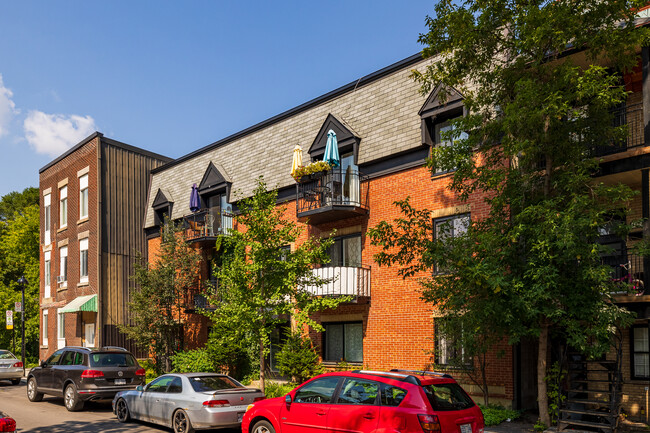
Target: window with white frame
(47, 218)
(343, 342)
(60, 327)
(63, 207)
(83, 260)
(83, 196)
(448, 348)
(640, 344)
(63, 268)
(449, 227)
(47, 274)
(45, 325)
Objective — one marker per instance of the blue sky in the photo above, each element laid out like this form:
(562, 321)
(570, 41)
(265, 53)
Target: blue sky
(172, 77)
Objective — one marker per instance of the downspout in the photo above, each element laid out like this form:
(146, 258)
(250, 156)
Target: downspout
(99, 333)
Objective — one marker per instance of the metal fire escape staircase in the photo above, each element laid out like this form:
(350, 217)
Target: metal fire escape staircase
(593, 396)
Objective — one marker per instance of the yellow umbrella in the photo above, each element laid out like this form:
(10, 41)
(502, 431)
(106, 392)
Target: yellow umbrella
(297, 159)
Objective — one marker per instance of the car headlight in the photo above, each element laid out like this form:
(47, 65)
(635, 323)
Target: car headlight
(250, 406)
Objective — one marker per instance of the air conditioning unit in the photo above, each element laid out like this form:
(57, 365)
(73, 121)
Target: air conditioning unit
(61, 279)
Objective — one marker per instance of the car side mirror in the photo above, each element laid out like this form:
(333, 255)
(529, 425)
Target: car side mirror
(287, 399)
(43, 364)
(139, 388)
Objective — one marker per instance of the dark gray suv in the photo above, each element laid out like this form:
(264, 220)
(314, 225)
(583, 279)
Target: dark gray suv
(79, 374)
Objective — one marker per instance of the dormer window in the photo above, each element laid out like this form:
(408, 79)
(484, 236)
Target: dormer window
(162, 207)
(214, 191)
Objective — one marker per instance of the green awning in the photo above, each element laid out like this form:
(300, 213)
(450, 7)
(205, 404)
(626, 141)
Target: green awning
(81, 303)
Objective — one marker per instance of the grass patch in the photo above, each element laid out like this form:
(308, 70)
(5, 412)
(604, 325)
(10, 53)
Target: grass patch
(496, 414)
(277, 389)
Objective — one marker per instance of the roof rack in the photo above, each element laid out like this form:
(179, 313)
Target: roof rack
(78, 347)
(121, 349)
(424, 373)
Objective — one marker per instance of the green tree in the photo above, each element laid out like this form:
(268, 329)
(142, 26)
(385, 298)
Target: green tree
(158, 298)
(532, 265)
(261, 280)
(19, 256)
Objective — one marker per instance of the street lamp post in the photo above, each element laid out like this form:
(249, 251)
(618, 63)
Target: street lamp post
(22, 281)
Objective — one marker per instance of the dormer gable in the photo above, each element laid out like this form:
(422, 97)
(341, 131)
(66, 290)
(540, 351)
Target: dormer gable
(347, 139)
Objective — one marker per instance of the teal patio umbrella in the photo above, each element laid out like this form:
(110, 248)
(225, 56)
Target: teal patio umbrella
(332, 150)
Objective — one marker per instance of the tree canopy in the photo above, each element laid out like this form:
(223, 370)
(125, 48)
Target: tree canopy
(539, 81)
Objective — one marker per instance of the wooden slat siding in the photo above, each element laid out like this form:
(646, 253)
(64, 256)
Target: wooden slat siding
(125, 179)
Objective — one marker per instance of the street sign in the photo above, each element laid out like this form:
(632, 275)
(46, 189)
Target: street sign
(19, 307)
(10, 319)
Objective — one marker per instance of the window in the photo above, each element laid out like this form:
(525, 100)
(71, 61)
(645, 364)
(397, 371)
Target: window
(391, 395)
(450, 227)
(447, 396)
(640, 352)
(60, 326)
(219, 215)
(344, 342)
(54, 359)
(63, 207)
(358, 391)
(47, 206)
(83, 260)
(345, 251)
(448, 349)
(160, 384)
(441, 133)
(45, 325)
(47, 274)
(176, 386)
(83, 196)
(317, 391)
(63, 269)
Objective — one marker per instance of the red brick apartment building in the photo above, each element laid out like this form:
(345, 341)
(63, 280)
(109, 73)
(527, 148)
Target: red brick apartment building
(385, 129)
(92, 207)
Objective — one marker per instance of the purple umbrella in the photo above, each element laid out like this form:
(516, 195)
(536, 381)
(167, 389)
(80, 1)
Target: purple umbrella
(195, 201)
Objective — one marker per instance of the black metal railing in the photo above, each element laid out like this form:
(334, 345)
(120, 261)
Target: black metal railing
(206, 224)
(632, 116)
(203, 297)
(335, 187)
(627, 274)
(342, 281)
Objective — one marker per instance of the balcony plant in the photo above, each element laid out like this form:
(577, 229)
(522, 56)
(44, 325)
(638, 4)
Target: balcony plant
(311, 171)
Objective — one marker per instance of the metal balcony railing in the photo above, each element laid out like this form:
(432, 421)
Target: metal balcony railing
(628, 274)
(205, 224)
(343, 281)
(631, 115)
(334, 187)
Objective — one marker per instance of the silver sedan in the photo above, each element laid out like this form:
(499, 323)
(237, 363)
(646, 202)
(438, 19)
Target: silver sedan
(187, 401)
(11, 368)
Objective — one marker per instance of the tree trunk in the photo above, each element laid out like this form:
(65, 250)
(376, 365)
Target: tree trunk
(262, 366)
(542, 399)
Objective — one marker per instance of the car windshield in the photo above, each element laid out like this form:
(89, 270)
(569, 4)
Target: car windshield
(112, 360)
(447, 396)
(5, 354)
(213, 383)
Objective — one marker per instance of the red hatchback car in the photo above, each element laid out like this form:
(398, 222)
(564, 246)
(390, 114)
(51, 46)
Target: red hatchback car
(369, 401)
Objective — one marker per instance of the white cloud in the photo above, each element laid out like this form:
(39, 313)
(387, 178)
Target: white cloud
(7, 108)
(53, 134)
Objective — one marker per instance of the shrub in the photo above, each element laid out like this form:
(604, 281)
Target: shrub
(496, 414)
(149, 367)
(277, 389)
(314, 167)
(298, 360)
(192, 361)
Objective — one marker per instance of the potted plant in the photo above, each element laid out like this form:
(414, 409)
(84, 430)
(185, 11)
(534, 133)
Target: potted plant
(311, 171)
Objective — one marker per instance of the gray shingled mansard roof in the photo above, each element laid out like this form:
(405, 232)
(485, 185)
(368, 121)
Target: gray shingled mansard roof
(381, 108)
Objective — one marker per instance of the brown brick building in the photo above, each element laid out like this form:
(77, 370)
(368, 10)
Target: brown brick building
(92, 207)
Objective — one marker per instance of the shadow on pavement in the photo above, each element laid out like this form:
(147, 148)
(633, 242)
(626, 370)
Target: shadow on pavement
(108, 426)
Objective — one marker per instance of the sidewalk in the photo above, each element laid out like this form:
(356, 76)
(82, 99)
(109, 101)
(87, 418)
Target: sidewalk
(510, 427)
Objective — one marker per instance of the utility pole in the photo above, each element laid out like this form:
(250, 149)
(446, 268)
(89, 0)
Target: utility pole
(22, 281)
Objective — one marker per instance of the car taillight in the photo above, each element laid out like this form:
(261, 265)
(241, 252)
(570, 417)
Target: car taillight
(141, 372)
(7, 424)
(216, 403)
(90, 374)
(258, 399)
(429, 423)
(18, 364)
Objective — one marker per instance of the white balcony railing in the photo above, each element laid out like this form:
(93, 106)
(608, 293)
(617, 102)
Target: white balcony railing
(343, 281)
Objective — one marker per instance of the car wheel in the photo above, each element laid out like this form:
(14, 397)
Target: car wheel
(71, 399)
(181, 422)
(32, 393)
(15, 381)
(263, 427)
(122, 410)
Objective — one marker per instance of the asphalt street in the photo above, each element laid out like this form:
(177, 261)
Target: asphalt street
(51, 416)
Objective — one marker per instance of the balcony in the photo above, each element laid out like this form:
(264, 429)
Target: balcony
(331, 196)
(628, 276)
(631, 115)
(198, 299)
(343, 281)
(205, 225)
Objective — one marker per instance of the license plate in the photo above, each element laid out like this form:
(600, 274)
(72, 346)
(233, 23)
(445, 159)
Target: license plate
(465, 428)
(120, 381)
(240, 415)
